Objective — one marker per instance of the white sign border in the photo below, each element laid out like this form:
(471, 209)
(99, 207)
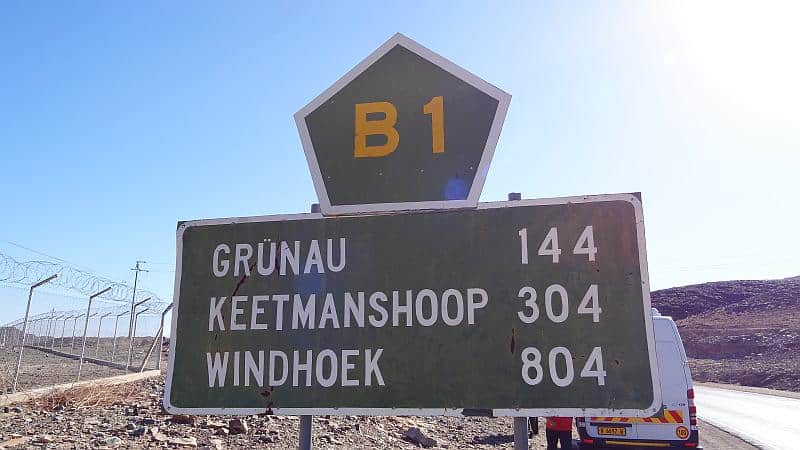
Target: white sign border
(503, 98)
(566, 412)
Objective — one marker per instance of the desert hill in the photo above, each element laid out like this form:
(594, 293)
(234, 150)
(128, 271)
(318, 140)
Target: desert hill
(744, 332)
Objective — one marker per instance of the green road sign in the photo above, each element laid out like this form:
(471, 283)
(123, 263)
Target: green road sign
(536, 307)
(404, 129)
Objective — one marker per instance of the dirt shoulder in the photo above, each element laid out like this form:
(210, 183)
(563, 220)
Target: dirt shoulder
(713, 438)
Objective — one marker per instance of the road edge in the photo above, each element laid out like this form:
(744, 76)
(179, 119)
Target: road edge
(22, 397)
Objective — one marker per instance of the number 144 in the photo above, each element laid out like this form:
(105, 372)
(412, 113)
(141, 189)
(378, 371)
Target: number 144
(549, 246)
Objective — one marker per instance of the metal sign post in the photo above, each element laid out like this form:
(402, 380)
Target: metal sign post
(86, 327)
(25, 328)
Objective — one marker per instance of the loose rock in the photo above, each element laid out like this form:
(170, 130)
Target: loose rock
(183, 441)
(237, 426)
(416, 436)
(183, 419)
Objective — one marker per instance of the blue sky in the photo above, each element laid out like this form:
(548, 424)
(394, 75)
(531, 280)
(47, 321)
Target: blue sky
(119, 119)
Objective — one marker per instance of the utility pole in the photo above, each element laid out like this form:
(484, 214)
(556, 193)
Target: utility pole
(136, 269)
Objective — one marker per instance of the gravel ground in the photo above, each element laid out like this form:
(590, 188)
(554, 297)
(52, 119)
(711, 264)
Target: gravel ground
(140, 422)
(40, 369)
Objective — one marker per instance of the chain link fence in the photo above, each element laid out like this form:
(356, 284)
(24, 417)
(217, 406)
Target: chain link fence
(60, 338)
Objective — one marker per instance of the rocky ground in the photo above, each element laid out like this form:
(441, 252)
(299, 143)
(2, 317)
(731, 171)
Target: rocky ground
(739, 332)
(130, 417)
(136, 420)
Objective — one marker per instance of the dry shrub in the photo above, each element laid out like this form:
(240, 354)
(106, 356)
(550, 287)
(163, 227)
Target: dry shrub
(88, 396)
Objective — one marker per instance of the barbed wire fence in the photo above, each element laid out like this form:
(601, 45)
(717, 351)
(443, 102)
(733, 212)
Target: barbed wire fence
(85, 326)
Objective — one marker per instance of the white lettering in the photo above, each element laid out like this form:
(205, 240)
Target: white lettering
(373, 302)
(334, 367)
(279, 299)
(351, 309)
(305, 313)
(421, 296)
(347, 366)
(250, 368)
(398, 309)
(289, 258)
(328, 312)
(314, 258)
(371, 367)
(256, 310)
(274, 355)
(472, 305)
(297, 367)
(236, 312)
(260, 267)
(242, 258)
(220, 268)
(215, 313)
(331, 266)
(217, 369)
(446, 296)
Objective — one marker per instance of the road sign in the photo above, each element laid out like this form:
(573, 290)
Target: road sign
(404, 129)
(535, 307)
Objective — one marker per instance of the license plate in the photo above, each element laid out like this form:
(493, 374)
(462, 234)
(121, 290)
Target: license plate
(611, 431)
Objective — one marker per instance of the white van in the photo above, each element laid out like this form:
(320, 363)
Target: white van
(676, 425)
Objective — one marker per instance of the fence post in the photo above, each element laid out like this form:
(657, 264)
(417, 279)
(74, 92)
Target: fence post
(132, 330)
(133, 334)
(161, 336)
(86, 327)
(114, 345)
(99, 326)
(55, 325)
(25, 328)
(49, 326)
(74, 326)
(35, 331)
(63, 330)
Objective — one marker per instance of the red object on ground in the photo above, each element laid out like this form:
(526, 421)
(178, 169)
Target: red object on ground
(559, 423)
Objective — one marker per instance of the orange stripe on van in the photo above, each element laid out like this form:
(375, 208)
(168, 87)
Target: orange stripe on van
(669, 416)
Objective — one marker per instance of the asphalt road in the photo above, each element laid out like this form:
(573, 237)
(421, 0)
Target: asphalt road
(767, 421)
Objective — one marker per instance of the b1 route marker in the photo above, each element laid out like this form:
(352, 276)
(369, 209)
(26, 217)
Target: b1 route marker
(533, 307)
(404, 129)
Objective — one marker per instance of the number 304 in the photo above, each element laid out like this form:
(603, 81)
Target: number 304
(560, 366)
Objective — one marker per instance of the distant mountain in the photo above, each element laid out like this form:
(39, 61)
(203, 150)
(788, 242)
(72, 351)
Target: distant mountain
(744, 332)
(741, 296)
